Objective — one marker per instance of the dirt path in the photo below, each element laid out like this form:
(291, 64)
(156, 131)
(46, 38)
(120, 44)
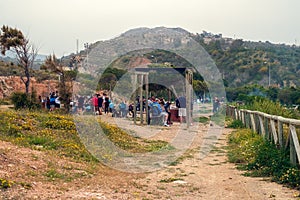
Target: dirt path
(210, 178)
(190, 178)
(193, 178)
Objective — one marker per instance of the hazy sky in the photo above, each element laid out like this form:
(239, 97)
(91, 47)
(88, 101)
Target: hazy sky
(55, 25)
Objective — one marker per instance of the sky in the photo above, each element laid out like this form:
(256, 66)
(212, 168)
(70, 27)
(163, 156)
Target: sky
(55, 26)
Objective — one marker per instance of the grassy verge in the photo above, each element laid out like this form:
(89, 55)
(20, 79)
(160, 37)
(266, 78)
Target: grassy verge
(262, 158)
(57, 133)
(43, 131)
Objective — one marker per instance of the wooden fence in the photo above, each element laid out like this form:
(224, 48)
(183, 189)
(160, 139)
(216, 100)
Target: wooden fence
(282, 131)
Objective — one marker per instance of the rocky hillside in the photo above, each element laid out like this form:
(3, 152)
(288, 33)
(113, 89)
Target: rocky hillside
(240, 62)
(10, 84)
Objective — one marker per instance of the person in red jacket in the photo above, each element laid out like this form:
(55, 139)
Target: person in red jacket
(95, 103)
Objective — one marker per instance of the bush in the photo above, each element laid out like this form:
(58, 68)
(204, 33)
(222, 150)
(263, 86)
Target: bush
(22, 100)
(270, 161)
(4, 183)
(262, 158)
(243, 145)
(236, 124)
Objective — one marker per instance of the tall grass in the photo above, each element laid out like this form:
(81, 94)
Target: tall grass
(270, 107)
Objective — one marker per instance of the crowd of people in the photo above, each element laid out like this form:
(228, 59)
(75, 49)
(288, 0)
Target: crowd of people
(160, 108)
(97, 104)
(51, 102)
(100, 104)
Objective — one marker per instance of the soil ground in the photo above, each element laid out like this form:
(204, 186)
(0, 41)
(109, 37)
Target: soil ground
(40, 175)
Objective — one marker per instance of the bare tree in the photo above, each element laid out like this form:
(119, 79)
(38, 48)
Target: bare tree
(14, 40)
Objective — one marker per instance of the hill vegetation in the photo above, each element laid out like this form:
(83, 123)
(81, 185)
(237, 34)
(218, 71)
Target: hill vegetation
(247, 68)
(245, 62)
(240, 62)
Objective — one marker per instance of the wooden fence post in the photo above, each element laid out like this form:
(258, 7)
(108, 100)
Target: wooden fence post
(274, 132)
(236, 116)
(147, 96)
(267, 135)
(262, 127)
(243, 118)
(294, 146)
(134, 97)
(141, 83)
(280, 134)
(249, 120)
(253, 125)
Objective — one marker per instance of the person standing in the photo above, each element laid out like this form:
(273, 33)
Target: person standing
(57, 102)
(95, 104)
(80, 104)
(122, 107)
(100, 104)
(111, 106)
(167, 109)
(52, 101)
(48, 103)
(181, 105)
(106, 104)
(216, 105)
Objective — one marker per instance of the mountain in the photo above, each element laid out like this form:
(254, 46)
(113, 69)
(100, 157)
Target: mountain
(239, 62)
(11, 57)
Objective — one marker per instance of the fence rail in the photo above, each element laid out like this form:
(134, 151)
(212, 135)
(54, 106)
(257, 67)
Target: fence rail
(282, 131)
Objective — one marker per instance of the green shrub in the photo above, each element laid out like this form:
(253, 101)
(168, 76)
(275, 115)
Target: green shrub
(291, 176)
(22, 100)
(43, 141)
(243, 145)
(270, 161)
(4, 183)
(261, 157)
(236, 124)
